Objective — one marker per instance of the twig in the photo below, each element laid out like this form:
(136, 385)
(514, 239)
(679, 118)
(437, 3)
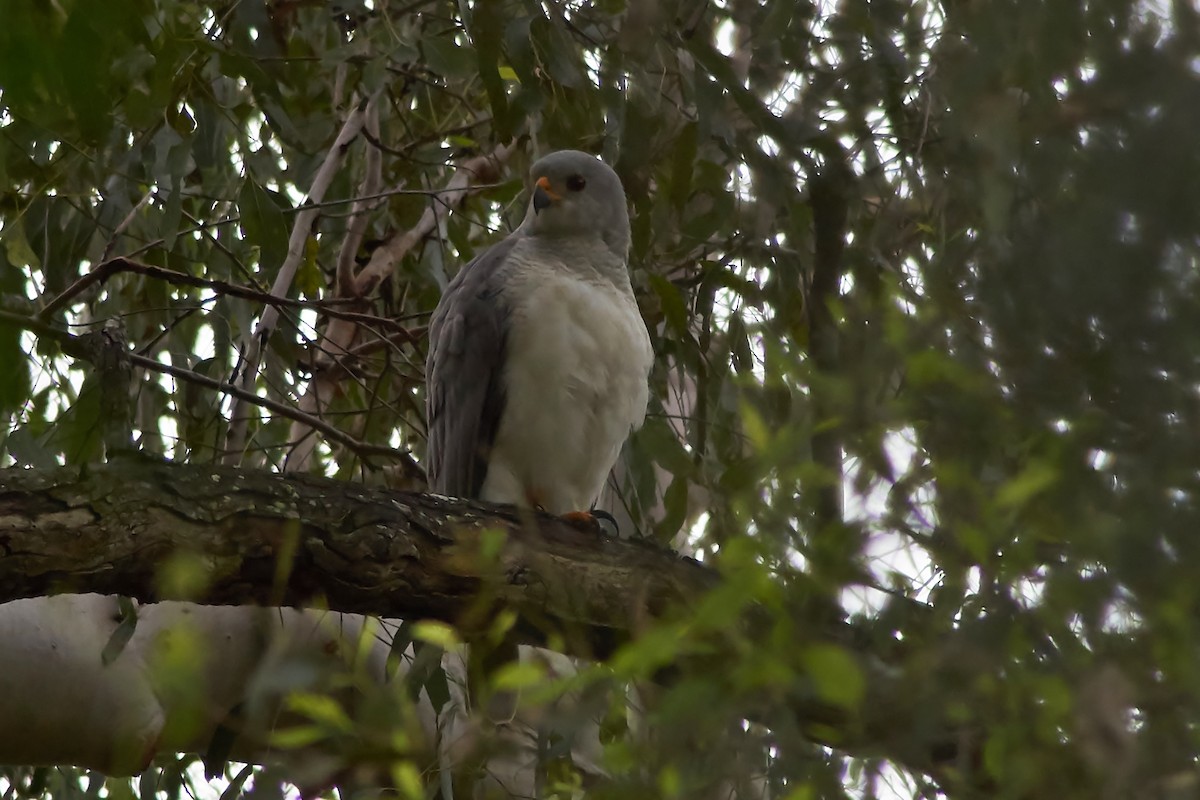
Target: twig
(405, 336)
(118, 265)
(386, 193)
(436, 136)
(124, 225)
(336, 363)
(78, 347)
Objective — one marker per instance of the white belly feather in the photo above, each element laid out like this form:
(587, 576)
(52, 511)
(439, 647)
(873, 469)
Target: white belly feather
(578, 357)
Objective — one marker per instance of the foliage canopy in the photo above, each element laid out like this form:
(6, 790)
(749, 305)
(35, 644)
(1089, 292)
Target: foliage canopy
(922, 277)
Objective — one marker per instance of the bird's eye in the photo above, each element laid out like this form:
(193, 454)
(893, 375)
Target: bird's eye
(576, 183)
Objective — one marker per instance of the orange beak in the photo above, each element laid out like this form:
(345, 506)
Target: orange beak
(543, 183)
(543, 195)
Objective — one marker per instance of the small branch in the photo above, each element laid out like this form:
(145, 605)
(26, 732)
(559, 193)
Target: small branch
(435, 136)
(80, 285)
(363, 449)
(405, 336)
(79, 347)
(325, 359)
(118, 265)
(383, 195)
(359, 216)
(482, 168)
(251, 355)
(124, 224)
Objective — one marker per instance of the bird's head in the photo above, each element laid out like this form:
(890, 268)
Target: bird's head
(576, 194)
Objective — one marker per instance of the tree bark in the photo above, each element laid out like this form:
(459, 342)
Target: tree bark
(261, 538)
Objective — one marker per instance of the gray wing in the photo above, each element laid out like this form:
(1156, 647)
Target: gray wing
(464, 392)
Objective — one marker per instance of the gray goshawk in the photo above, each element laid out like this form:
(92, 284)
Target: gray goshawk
(538, 357)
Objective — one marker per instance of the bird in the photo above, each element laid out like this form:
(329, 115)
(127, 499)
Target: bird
(539, 359)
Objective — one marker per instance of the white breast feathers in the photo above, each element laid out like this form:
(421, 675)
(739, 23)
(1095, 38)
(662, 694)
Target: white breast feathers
(575, 376)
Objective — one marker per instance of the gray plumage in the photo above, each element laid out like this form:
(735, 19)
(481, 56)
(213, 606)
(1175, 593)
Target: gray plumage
(538, 358)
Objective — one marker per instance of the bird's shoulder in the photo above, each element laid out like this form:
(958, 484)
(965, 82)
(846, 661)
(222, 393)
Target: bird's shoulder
(484, 271)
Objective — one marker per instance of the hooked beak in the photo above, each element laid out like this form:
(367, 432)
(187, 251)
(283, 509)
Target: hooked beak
(543, 195)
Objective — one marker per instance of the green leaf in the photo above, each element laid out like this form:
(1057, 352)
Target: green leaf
(448, 59)
(78, 433)
(16, 246)
(652, 650)
(836, 674)
(28, 450)
(557, 52)
(436, 633)
(401, 639)
(220, 747)
(263, 222)
(426, 673)
(321, 709)
(1032, 481)
(517, 675)
(14, 363)
(486, 26)
(309, 278)
(518, 46)
(298, 736)
(410, 782)
(672, 302)
(675, 504)
(657, 440)
(683, 159)
(123, 632)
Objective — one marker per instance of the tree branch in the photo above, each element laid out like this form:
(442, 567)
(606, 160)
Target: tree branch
(293, 541)
(828, 193)
(480, 169)
(301, 230)
(264, 538)
(360, 211)
(121, 264)
(79, 347)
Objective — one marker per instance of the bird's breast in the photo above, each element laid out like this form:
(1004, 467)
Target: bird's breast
(575, 379)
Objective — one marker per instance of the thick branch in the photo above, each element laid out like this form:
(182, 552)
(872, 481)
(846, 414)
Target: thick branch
(828, 193)
(264, 538)
(295, 541)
